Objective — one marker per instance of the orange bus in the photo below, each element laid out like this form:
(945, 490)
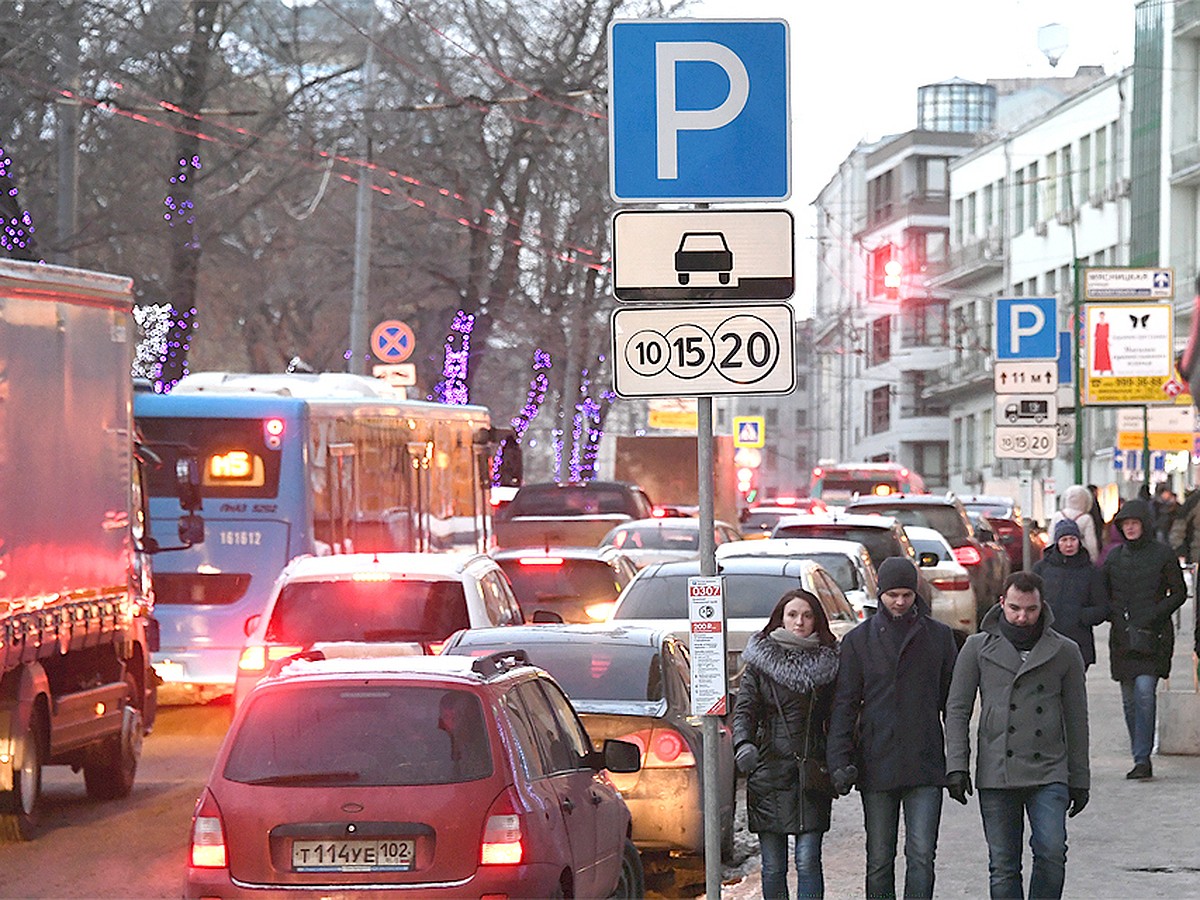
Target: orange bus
(842, 481)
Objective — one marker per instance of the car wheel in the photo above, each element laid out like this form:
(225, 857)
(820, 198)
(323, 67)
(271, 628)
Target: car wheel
(21, 806)
(631, 883)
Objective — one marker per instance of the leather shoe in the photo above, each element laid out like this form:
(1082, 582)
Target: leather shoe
(1140, 770)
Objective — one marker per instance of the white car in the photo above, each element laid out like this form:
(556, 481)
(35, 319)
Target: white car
(410, 602)
(848, 562)
(665, 539)
(953, 596)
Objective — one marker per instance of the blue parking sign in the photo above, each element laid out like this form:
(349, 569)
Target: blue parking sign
(1026, 328)
(698, 110)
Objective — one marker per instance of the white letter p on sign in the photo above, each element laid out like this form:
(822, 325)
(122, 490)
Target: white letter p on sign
(1016, 330)
(670, 120)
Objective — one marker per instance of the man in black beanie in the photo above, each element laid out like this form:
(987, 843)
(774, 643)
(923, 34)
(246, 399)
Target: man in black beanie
(886, 730)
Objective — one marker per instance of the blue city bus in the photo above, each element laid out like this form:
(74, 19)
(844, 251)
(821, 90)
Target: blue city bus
(294, 464)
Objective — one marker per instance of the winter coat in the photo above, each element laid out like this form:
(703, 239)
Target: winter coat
(1033, 714)
(1076, 591)
(1145, 586)
(1185, 530)
(1077, 506)
(888, 705)
(802, 680)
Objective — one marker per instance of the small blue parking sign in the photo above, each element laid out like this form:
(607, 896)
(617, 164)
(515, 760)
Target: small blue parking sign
(698, 110)
(1027, 328)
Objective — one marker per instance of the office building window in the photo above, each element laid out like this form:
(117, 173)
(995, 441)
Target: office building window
(1032, 184)
(1085, 168)
(801, 418)
(972, 212)
(881, 340)
(1101, 159)
(933, 180)
(1051, 184)
(771, 416)
(1068, 195)
(1001, 205)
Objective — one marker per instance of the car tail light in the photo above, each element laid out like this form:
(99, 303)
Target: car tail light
(951, 584)
(540, 560)
(434, 648)
(208, 835)
(502, 834)
(371, 576)
(967, 555)
(662, 748)
(600, 612)
(658, 512)
(256, 657)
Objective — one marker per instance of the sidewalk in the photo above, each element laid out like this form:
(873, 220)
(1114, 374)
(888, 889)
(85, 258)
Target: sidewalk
(1136, 839)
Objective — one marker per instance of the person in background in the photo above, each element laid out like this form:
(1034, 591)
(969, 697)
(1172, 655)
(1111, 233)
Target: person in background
(1074, 588)
(1032, 737)
(1097, 516)
(1145, 587)
(781, 715)
(886, 730)
(1166, 509)
(1185, 531)
(1077, 506)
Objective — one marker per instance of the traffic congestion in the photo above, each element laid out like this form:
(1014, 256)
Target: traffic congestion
(439, 457)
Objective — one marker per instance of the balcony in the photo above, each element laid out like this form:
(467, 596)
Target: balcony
(1185, 164)
(1187, 19)
(973, 262)
(912, 205)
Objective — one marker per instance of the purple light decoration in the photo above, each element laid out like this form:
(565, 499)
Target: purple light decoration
(16, 236)
(536, 395)
(179, 213)
(452, 389)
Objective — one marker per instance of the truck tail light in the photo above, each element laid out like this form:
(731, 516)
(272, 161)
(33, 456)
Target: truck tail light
(257, 657)
(208, 835)
(503, 837)
(967, 555)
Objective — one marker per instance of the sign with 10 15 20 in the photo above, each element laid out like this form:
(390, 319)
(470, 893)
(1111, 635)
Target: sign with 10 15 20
(698, 351)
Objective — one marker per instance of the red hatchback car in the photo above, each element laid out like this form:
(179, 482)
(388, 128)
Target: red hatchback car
(429, 776)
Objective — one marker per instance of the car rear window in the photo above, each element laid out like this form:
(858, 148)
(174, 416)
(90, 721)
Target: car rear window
(570, 501)
(544, 581)
(201, 588)
(402, 610)
(592, 671)
(839, 566)
(747, 596)
(758, 519)
(361, 734)
(879, 542)
(922, 545)
(655, 537)
(945, 520)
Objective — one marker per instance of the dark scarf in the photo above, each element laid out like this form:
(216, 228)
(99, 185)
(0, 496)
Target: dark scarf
(1023, 637)
(896, 627)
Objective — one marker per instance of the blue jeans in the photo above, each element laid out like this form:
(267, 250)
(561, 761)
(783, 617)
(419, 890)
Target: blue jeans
(1138, 698)
(922, 815)
(1003, 811)
(810, 879)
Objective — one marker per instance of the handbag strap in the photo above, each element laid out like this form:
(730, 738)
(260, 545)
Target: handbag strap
(788, 731)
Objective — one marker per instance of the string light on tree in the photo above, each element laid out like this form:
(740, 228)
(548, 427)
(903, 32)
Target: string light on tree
(16, 225)
(453, 389)
(154, 323)
(536, 395)
(180, 214)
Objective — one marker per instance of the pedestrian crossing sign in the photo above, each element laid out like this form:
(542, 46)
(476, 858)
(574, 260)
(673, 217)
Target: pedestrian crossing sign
(748, 431)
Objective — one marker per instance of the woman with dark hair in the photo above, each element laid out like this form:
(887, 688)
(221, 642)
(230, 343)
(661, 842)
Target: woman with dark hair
(779, 721)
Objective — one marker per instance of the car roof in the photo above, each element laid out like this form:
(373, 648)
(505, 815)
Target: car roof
(564, 633)
(784, 546)
(667, 522)
(605, 553)
(399, 565)
(865, 520)
(430, 668)
(907, 500)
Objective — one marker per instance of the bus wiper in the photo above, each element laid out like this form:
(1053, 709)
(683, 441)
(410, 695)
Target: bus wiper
(306, 778)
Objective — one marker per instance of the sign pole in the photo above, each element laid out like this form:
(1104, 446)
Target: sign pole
(1146, 449)
(708, 567)
(1078, 344)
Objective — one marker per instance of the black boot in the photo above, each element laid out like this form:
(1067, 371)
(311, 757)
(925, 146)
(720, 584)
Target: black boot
(1140, 770)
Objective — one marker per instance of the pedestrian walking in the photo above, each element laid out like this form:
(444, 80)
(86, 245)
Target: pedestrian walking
(1166, 508)
(1145, 587)
(1097, 519)
(1077, 506)
(886, 731)
(1185, 530)
(1074, 588)
(780, 720)
(1032, 737)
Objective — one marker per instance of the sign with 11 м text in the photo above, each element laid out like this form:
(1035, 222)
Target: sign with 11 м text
(698, 110)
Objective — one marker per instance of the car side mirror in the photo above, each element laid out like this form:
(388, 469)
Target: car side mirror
(546, 616)
(928, 559)
(250, 624)
(191, 529)
(621, 756)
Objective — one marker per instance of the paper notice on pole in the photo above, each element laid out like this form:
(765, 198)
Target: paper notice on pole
(706, 613)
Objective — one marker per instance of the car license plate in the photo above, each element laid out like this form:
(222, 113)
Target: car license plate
(352, 856)
(170, 672)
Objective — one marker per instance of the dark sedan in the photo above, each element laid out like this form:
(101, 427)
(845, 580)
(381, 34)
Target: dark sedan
(633, 683)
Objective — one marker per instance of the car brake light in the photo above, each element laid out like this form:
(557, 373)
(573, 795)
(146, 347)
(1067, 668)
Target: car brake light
(371, 576)
(434, 648)
(256, 657)
(662, 748)
(967, 555)
(208, 835)
(951, 584)
(541, 560)
(502, 836)
(658, 512)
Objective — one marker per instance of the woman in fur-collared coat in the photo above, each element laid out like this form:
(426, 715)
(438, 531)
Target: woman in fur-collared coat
(782, 715)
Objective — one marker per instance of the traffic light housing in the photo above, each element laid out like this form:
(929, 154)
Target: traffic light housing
(893, 270)
(887, 271)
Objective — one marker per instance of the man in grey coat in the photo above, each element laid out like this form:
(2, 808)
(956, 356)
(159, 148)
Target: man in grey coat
(1032, 757)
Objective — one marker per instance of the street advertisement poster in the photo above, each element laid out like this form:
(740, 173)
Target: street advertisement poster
(1130, 353)
(706, 614)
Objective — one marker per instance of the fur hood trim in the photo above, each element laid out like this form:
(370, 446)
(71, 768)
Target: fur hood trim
(799, 670)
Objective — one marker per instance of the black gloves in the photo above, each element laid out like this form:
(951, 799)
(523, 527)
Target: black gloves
(1079, 799)
(959, 786)
(843, 779)
(746, 757)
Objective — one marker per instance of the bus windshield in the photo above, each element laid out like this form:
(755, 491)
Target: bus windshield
(233, 456)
